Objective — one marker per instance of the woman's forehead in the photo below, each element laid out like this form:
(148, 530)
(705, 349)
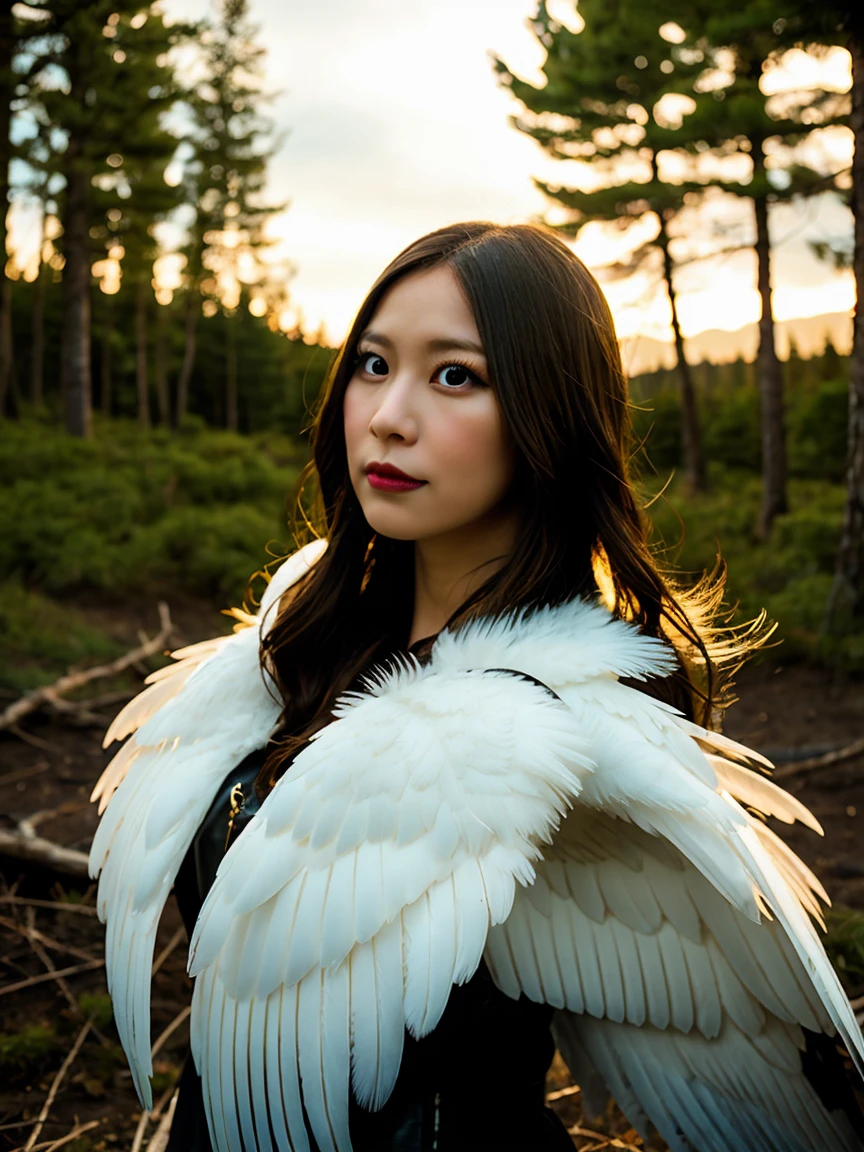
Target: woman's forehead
(428, 308)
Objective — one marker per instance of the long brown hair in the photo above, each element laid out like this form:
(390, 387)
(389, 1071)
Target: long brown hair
(554, 362)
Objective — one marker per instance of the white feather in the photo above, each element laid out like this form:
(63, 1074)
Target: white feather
(206, 715)
(594, 847)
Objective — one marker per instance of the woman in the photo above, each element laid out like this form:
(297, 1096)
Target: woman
(468, 804)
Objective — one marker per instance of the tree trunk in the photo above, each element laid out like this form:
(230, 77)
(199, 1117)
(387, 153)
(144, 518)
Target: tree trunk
(37, 342)
(231, 372)
(75, 331)
(160, 369)
(774, 498)
(141, 294)
(847, 592)
(7, 83)
(190, 344)
(105, 373)
(691, 433)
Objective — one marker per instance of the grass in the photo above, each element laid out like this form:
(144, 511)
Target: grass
(790, 575)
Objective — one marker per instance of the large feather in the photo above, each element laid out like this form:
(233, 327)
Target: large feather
(193, 723)
(646, 927)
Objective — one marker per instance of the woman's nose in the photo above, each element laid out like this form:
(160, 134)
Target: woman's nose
(394, 414)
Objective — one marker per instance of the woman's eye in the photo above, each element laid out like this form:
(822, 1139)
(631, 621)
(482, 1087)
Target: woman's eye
(362, 359)
(460, 375)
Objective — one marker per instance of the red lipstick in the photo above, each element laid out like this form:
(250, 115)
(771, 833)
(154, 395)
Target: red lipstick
(389, 478)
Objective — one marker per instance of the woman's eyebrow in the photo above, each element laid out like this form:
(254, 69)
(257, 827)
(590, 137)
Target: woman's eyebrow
(436, 344)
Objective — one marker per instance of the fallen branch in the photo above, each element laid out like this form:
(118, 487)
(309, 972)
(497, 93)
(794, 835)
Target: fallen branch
(51, 1145)
(43, 976)
(168, 1032)
(36, 939)
(48, 941)
(561, 1092)
(22, 846)
(55, 1086)
(814, 763)
(51, 693)
(162, 1134)
(167, 950)
(55, 905)
(168, 1097)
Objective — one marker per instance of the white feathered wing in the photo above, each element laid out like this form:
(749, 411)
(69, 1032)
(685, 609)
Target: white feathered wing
(649, 925)
(423, 828)
(198, 718)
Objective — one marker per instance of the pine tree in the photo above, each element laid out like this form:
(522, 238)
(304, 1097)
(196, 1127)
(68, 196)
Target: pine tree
(138, 196)
(732, 117)
(225, 180)
(599, 104)
(109, 53)
(842, 22)
(7, 89)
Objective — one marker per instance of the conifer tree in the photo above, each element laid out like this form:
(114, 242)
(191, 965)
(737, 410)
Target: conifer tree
(107, 53)
(732, 117)
(842, 22)
(600, 105)
(137, 197)
(225, 178)
(7, 89)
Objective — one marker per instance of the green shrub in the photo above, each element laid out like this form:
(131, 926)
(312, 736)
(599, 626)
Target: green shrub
(132, 512)
(790, 575)
(40, 639)
(816, 423)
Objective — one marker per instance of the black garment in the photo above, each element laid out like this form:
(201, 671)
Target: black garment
(476, 1082)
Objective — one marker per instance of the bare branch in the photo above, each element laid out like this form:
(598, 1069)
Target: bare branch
(51, 693)
(22, 846)
(55, 905)
(78, 1130)
(814, 763)
(43, 976)
(58, 1080)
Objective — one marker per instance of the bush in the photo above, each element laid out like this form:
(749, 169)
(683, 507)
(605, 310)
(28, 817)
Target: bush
(132, 512)
(790, 575)
(40, 639)
(816, 423)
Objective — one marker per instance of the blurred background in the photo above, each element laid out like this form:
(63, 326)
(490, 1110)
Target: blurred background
(199, 193)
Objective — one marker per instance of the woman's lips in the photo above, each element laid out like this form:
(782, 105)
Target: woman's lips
(392, 483)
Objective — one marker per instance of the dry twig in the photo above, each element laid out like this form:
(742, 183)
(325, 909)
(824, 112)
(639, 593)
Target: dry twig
(50, 1145)
(169, 1031)
(55, 1086)
(43, 976)
(56, 905)
(152, 1117)
(160, 1137)
(167, 950)
(814, 763)
(561, 1092)
(51, 693)
(21, 846)
(48, 941)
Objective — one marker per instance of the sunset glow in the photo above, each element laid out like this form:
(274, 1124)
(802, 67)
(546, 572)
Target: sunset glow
(381, 144)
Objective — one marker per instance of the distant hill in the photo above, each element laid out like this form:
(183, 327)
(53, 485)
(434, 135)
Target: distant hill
(643, 354)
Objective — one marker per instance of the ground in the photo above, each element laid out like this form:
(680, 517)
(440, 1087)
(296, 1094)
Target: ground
(48, 920)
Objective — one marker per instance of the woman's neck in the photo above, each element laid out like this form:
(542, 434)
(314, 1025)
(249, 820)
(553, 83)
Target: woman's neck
(448, 568)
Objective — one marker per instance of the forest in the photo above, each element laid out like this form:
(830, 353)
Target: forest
(157, 380)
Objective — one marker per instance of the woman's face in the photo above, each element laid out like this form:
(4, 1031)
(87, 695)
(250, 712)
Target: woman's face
(419, 400)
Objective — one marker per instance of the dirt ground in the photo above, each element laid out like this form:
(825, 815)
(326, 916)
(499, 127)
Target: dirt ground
(48, 921)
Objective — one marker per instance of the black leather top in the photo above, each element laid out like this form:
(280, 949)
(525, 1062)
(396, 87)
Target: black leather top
(476, 1082)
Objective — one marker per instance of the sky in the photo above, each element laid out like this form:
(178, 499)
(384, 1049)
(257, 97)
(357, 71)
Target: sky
(392, 124)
